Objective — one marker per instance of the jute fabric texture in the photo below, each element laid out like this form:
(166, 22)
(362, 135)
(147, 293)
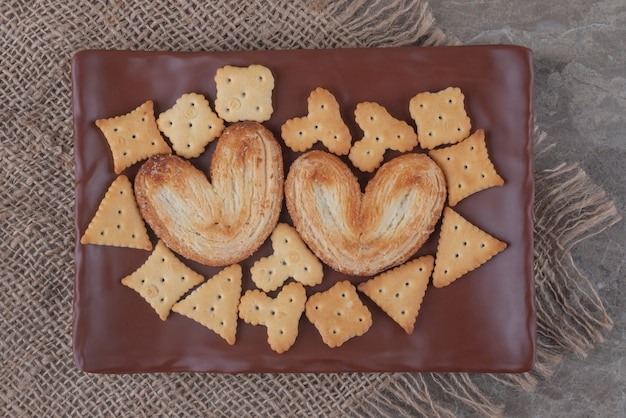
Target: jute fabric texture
(37, 374)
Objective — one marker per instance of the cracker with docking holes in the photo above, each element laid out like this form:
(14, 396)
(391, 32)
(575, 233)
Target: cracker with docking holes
(162, 280)
(322, 123)
(244, 93)
(440, 117)
(117, 221)
(215, 303)
(381, 132)
(190, 124)
(467, 167)
(133, 137)
(399, 292)
(462, 248)
(338, 314)
(291, 258)
(281, 315)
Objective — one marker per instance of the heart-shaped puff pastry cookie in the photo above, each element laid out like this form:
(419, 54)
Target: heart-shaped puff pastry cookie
(359, 233)
(225, 220)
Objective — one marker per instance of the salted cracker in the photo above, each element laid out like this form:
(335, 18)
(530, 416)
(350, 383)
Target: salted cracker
(133, 137)
(322, 123)
(399, 292)
(291, 258)
(244, 93)
(462, 247)
(190, 124)
(214, 304)
(162, 280)
(381, 132)
(281, 315)
(338, 314)
(117, 221)
(440, 117)
(467, 167)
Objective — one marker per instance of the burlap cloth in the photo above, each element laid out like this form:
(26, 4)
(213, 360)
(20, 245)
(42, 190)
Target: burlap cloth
(38, 377)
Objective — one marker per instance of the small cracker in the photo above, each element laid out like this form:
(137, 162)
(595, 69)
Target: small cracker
(381, 132)
(190, 124)
(291, 258)
(462, 248)
(215, 303)
(281, 315)
(117, 221)
(244, 93)
(399, 292)
(467, 167)
(322, 123)
(133, 137)
(162, 280)
(440, 117)
(338, 314)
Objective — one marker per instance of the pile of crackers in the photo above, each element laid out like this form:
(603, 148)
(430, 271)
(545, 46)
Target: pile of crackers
(298, 261)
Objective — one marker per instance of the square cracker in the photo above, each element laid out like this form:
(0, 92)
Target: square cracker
(244, 93)
(280, 315)
(215, 303)
(133, 137)
(117, 221)
(338, 314)
(162, 280)
(440, 117)
(190, 124)
(467, 167)
(462, 247)
(399, 292)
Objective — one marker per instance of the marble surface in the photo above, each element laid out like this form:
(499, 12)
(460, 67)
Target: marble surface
(580, 101)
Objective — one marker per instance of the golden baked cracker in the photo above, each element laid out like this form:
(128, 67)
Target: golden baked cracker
(440, 117)
(117, 221)
(322, 123)
(190, 124)
(215, 303)
(462, 248)
(399, 292)
(467, 167)
(281, 315)
(291, 258)
(381, 132)
(133, 137)
(244, 93)
(162, 280)
(338, 314)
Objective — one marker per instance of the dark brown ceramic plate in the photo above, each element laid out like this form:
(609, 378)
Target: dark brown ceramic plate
(484, 322)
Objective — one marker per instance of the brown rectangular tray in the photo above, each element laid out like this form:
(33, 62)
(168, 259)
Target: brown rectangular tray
(484, 322)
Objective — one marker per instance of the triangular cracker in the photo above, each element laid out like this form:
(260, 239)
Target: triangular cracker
(281, 315)
(190, 125)
(117, 221)
(322, 123)
(215, 303)
(399, 292)
(291, 258)
(133, 137)
(381, 132)
(162, 280)
(467, 167)
(462, 248)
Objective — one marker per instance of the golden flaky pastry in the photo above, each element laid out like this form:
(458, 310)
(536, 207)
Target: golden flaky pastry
(222, 221)
(364, 233)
